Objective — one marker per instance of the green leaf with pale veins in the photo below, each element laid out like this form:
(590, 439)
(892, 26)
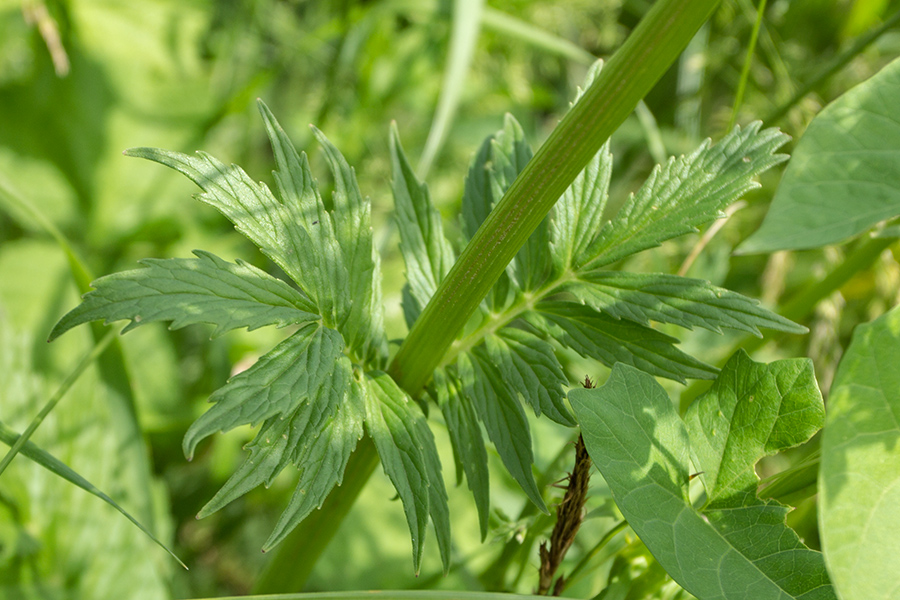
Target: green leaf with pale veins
(396, 424)
(686, 193)
(529, 368)
(738, 546)
(682, 301)
(186, 291)
(499, 409)
(320, 266)
(57, 467)
(578, 215)
(844, 176)
(601, 337)
(362, 320)
(859, 479)
(302, 379)
(427, 254)
(751, 411)
(467, 441)
(321, 456)
(250, 206)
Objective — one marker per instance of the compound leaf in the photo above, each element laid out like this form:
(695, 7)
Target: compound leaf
(685, 193)
(682, 301)
(467, 441)
(529, 368)
(499, 409)
(186, 291)
(427, 254)
(396, 426)
(300, 383)
(601, 337)
(859, 479)
(738, 546)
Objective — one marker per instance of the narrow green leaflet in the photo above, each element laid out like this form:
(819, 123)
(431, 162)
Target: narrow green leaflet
(427, 254)
(682, 301)
(859, 479)
(737, 546)
(529, 367)
(59, 468)
(467, 441)
(686, 193)
(397, 427)
(321, 457)
(499, 409)
(844, 176)
(601, 337)
(303, 378)
(250, 206)
(578, 215)
(186, 291)
(362, 323)
(320, 268)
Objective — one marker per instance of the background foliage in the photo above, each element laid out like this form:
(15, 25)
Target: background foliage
(183, 75)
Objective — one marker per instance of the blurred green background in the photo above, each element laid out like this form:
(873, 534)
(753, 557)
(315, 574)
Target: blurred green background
(82, 80)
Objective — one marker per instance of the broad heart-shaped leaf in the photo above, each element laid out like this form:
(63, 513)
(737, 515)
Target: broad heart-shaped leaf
(427, 254)
(409, 457)
(686, 193)
(57, 467)
(467, 441)
(300, 382)
(596, 335)
(751, 411)
(741, 548)
(844, 175)
(186, 291)
(499, 409)
(682, 301)
(859, 479)
(528, 367)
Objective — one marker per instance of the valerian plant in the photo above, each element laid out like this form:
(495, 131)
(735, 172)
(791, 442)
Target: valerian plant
(318, 392)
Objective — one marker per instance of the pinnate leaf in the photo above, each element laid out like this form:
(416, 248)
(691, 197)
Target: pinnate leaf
(186, 291)
(300, 382)
(409, 458)
(499, 409)
(426, 252)
(686, 193)
(682, 301)
(598, 336)
(737, 546)
(467, 441)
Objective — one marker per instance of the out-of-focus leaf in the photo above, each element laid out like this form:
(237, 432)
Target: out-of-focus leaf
(844, 175)
(859, 479)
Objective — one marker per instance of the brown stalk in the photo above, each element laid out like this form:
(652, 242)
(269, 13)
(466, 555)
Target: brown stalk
(569, 516)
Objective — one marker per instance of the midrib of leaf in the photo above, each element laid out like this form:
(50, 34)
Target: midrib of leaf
(497, 321)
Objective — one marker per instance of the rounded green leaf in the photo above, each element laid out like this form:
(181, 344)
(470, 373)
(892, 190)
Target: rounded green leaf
(844, 176)
(859, 480)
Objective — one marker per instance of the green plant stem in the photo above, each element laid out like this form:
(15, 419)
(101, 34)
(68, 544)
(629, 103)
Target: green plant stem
(385, 595)
(55, 398)
(632, 71)
(836, 64)
(627, 77)
(297, 555)
(748, 60)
